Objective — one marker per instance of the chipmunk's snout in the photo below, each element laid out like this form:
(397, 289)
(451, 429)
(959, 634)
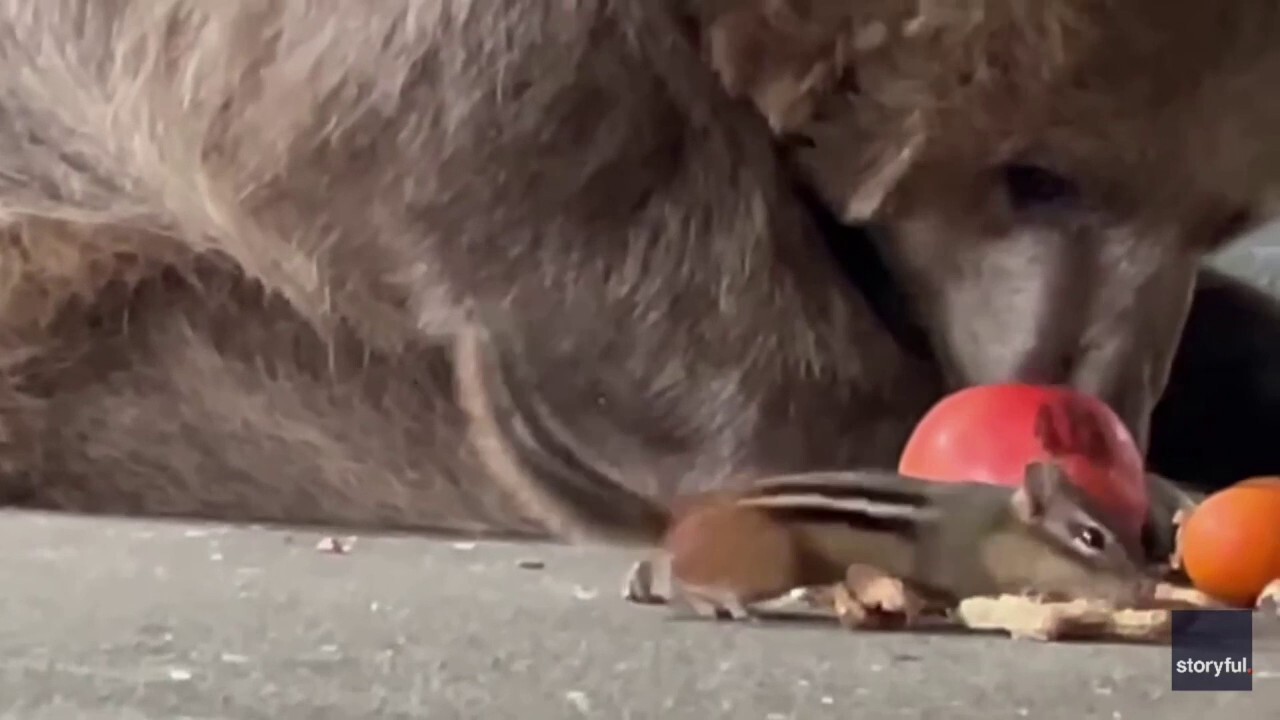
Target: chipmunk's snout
(1068, 579)
(1123, 588)
(1053, 566)
(1146, 590)
(1127, 589)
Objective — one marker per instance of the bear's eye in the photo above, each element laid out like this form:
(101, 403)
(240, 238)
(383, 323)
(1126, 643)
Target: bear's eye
(1032, 187)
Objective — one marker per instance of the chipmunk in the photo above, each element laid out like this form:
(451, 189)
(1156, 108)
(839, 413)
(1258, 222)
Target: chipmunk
(944, 541)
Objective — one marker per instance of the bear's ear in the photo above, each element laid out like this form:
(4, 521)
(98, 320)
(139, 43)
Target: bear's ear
(797, 66)
(783, 62)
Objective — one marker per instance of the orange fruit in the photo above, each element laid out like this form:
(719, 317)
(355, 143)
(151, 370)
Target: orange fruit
(1230, 544)
(991, 433)
(1261, 480)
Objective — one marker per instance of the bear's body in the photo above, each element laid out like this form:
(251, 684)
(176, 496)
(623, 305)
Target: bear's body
(459, 266)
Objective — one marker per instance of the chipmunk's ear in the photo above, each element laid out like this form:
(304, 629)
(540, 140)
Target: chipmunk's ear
(1041, 482)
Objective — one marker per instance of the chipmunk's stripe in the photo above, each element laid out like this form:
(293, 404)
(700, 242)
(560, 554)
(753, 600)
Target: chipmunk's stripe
(899, 526)
(857, 512)
(838, 487)
(856, 504)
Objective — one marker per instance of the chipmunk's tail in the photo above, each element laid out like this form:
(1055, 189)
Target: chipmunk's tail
(517, 442)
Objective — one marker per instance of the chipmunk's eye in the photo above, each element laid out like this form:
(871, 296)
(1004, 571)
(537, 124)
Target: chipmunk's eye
(1089, 537)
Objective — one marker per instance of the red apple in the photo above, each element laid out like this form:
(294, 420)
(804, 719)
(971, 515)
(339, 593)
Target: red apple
(990, 433)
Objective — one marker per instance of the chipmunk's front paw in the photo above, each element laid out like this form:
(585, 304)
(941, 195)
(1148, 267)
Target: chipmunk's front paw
(869, 598)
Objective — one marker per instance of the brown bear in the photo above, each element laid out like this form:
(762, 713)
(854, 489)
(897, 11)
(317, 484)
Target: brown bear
(537, 266)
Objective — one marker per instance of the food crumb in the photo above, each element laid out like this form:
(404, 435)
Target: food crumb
(179, 674)
(1269, 598)
(579, 700)
(336, 545)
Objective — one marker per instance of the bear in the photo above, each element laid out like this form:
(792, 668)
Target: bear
(537, 268)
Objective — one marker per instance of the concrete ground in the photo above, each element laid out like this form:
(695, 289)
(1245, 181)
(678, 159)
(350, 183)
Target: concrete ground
(106, 618)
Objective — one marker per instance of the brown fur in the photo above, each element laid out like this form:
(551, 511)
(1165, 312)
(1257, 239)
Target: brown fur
(245, 241)
(905, 113)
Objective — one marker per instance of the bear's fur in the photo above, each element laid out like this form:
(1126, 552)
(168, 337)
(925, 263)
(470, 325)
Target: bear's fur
(528, 265)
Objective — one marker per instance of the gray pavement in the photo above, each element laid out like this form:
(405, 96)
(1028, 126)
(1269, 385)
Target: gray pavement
(106, 618)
